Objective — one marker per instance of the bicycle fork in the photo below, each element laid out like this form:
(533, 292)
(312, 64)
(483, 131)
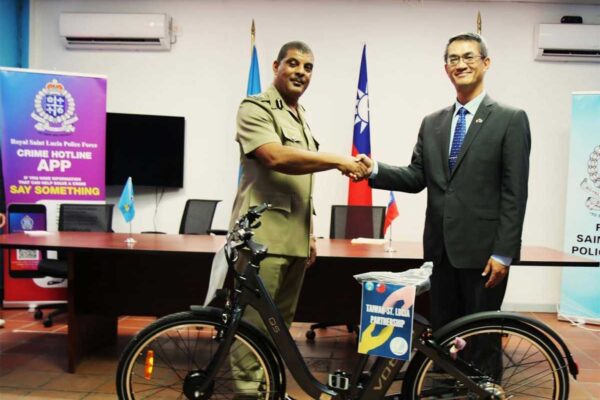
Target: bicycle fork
(196, 383)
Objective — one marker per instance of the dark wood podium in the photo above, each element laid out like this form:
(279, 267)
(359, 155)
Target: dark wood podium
(162, 274)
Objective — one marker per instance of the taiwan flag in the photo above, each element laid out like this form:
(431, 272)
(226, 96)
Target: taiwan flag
(359, 193)
(391, 213)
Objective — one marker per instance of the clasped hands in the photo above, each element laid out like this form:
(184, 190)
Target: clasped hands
(357, 168)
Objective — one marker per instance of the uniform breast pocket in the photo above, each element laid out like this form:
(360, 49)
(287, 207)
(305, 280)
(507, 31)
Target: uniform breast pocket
(281, 202)
(292, 137)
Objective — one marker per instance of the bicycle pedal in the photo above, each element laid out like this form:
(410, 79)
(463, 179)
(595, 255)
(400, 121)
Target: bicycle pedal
(339, 380)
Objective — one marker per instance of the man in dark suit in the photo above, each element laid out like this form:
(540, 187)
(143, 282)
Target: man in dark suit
(473, 158)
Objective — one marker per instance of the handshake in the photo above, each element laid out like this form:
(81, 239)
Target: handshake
(356, 168)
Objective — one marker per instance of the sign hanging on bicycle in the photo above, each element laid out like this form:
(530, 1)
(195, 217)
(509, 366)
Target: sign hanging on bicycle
(386, 321)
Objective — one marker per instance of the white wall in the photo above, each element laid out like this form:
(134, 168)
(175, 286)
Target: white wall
(204, 78)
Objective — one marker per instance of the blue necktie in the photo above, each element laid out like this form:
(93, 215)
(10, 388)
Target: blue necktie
(459, 135)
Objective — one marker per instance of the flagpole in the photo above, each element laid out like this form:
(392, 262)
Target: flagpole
(389, 248)
(252, 37)
(130, 240)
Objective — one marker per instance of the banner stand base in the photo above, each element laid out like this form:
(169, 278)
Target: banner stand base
(578, 320)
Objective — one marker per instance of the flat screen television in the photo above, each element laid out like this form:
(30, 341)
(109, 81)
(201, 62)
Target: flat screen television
(149, 148)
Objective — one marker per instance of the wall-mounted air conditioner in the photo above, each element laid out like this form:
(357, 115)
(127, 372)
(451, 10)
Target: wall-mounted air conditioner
(100, 31)
(567, 42)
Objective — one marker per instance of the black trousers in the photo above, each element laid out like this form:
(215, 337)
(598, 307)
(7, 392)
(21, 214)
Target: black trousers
(458, 292)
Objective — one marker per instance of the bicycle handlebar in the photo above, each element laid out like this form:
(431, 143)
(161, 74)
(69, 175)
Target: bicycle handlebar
(240, 236)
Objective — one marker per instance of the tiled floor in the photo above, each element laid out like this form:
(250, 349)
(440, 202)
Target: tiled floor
(33, 358)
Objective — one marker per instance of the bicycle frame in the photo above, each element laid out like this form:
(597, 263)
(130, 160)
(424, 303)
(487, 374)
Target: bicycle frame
(432, 350)
(250, 291)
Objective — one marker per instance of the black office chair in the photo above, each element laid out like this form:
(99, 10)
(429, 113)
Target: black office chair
(349, 222)
(75, 218)
(198, 216)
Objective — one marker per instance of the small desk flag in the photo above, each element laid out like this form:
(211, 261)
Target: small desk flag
(126, 204)
(359, 193)
(391, 213)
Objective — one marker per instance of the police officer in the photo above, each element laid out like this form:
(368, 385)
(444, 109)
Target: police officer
(278, 155)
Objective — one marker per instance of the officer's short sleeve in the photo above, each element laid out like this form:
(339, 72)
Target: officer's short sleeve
(255, 127)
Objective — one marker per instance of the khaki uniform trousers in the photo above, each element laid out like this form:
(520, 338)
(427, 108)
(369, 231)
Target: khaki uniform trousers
(282, 277)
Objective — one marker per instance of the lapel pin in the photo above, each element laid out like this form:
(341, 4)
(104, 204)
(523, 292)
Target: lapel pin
(478, 121)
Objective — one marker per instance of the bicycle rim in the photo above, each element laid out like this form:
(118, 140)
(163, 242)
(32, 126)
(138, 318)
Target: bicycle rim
(171, 359)
(514, 361)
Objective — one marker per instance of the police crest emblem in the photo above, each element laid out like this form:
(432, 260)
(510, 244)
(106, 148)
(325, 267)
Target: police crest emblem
(26, 223)
(54, 110)
(591, 184)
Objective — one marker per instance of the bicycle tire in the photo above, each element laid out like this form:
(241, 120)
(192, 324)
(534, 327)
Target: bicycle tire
(183, 344)
(541, 371)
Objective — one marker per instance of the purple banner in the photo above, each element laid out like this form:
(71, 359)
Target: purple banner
(53, 136)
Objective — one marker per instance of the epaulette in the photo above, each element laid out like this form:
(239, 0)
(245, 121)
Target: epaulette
(258, 97)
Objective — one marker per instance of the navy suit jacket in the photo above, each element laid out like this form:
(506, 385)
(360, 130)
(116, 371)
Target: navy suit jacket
(478, 209)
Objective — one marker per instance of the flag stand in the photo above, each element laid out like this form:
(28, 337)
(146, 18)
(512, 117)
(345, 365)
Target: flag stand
(389, 248)
(130, 240)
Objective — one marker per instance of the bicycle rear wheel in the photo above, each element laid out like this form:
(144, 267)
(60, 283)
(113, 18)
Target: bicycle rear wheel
(515, 359)
(168, 359)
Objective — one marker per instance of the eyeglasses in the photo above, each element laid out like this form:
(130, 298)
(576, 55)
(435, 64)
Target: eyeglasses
(467, 58)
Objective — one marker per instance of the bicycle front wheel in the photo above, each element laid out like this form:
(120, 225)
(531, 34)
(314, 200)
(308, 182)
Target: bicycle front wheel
(168, 360)
(515, 360)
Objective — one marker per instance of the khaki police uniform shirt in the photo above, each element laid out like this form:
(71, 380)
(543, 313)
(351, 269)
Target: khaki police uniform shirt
(285, 228)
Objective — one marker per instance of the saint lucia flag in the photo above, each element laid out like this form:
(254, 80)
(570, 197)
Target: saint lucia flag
(253, 78)
(126, 204)
(254, 75)
(359, 193)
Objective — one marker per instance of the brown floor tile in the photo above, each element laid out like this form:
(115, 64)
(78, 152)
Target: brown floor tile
(47, 363)
(12, 393)
(53, 394)
(10, 362)
(593, 389)
(108, 387)
(578, 391)
(76, 382)
(589, 375)
(26, 379)
(99, 396)
(95, 366)
(33, 364)
(135, 322)
(584, 360)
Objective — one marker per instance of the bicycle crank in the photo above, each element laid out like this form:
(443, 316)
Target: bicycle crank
(495, 390)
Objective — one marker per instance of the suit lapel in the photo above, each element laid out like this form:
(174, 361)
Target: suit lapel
(479, 119)
(443, 132)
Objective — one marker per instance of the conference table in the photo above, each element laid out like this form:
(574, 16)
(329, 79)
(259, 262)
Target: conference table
(166, 273)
